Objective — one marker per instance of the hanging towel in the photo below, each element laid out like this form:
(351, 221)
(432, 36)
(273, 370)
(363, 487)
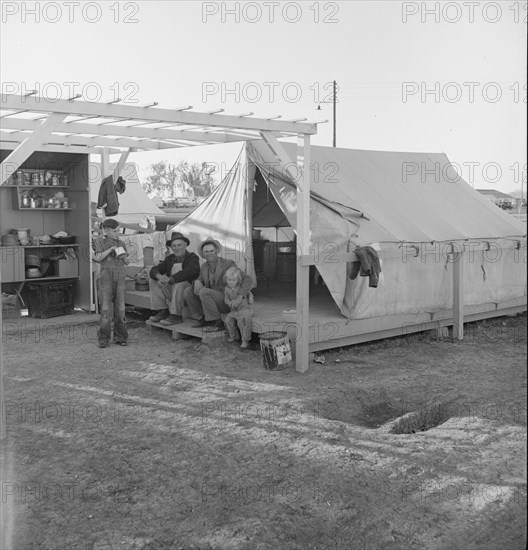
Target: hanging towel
(367, 266)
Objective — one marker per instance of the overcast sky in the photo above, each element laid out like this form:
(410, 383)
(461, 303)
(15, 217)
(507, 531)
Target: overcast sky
(412, 76)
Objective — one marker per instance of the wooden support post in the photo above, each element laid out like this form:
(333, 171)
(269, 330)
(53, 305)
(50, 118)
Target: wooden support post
(303, 242)
(15, 159)
(121, 164)
(458, 295)
(105, 163)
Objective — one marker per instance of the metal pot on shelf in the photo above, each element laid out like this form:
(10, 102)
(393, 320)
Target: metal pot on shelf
(33, 273)
(9, 240)
(23, 233)
(32, 260)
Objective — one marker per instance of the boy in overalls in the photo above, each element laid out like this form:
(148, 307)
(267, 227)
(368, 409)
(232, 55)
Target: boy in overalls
(110, 252)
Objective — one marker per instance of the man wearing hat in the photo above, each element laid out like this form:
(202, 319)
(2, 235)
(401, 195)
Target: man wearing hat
(170, 278)
(206, 297)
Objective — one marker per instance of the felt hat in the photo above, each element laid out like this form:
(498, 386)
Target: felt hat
(177, 237)
(212, 241)
(110, 223)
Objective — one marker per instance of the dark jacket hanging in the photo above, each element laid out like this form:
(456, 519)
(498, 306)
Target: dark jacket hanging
(107, 197)
(367, 266)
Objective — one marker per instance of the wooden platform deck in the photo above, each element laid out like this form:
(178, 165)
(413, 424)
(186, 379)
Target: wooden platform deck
(269, 304)
(186, 330)
(327, 328)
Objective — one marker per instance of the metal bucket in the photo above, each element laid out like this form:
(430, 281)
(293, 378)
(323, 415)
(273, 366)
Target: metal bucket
(276, 350)
(142, 284)
(32, 260)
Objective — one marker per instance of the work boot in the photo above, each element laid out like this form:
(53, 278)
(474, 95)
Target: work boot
(162, 314)
(200, 323)
(172, 320)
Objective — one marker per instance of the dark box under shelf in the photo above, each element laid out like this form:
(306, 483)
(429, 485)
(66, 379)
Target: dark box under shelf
(50, 299)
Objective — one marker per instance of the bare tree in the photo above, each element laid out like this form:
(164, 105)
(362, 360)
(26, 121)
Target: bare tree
(170, 180)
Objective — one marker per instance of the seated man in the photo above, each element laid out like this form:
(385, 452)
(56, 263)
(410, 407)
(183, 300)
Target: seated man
(206, 297)
(170, 278)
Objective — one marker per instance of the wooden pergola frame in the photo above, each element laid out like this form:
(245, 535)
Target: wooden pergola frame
(30, 123)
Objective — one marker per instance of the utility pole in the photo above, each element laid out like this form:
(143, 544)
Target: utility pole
(334, 98)
(334, 103)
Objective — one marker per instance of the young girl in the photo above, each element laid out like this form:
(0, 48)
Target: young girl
(239, 304)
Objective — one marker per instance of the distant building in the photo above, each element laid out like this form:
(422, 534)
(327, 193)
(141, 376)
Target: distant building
(501, 199)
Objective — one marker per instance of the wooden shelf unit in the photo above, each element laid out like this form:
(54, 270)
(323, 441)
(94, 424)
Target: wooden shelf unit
(74, 220)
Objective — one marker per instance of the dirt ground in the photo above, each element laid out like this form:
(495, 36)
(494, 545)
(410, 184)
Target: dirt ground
(177, 445)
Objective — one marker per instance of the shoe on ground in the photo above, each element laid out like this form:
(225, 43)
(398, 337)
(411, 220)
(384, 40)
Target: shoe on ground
(232, 339)
(121, 343)
(200, 323)
(102, 344)
(217, 325)
(162, 314)
(172, 320)
(244, 345)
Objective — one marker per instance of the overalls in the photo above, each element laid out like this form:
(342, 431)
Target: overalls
(111, 290)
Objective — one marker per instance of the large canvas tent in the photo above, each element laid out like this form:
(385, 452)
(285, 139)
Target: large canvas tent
(427, 224)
